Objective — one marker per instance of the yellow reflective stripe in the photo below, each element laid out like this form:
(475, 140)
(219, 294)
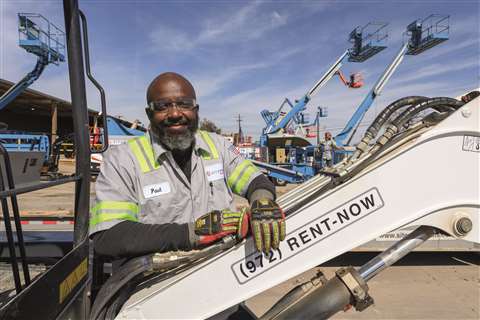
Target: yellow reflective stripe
(113, 210)
(149, 151)
(236, 173)
(115, 205)
(137, 152)
(211, 145)
(244, 179)
(241, 175)
(104, 217)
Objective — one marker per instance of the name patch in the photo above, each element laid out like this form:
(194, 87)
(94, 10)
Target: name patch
(155, 190)
(309, 235)
(214, 172)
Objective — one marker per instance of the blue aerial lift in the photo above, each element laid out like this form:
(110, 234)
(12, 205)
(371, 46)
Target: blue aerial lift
(39, 36)
(366, 42)
(421, 35)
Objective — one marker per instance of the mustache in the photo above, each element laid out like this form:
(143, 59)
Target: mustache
(175, 122)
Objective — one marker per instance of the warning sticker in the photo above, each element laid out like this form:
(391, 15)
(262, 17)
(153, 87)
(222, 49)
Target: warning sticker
(309, 235)
(471, 143)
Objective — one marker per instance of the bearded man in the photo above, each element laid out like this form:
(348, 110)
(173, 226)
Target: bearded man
(172, 189)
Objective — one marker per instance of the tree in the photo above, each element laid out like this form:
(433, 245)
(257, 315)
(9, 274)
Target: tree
(209, 126)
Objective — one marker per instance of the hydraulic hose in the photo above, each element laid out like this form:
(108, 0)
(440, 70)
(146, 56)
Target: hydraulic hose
(380, 120)
(435, 103)
(117, 281)
(440, 103)
(389, 110)
(118, 288)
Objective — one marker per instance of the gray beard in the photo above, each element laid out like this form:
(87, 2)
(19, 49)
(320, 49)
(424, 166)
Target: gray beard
(178, 141)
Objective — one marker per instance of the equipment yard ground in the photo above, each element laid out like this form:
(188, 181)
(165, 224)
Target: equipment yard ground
(437, 285)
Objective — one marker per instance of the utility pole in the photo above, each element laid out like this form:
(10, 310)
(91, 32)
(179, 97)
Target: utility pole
(240, 134)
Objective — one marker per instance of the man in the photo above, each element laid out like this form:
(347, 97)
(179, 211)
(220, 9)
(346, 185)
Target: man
(328, 148)
(173, 188)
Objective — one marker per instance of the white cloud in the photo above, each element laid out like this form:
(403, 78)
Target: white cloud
(436, 69)
(209, 84)
(248, 23)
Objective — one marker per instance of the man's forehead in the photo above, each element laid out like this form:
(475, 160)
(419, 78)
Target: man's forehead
(170, 90)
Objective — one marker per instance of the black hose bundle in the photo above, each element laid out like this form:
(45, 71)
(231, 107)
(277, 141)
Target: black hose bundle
(389, 110)
(439, 104)
(131, 269)
(126, 279)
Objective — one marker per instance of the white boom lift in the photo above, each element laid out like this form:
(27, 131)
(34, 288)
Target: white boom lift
(423, 174)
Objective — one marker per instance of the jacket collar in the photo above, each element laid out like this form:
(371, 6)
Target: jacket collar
(200, 147)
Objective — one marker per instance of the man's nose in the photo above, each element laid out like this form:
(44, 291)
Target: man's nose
(174, 112)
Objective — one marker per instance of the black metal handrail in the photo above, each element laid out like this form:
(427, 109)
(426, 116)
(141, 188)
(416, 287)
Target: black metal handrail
(94, 82)
(39, 186)
(18, 225)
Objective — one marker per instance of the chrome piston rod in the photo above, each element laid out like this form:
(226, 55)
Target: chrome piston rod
(349, 286)
(395, 252)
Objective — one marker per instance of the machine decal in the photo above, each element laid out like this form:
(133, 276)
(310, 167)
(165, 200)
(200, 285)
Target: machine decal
(397, 235)
(72, 280)
(309, 234)
(471, 143)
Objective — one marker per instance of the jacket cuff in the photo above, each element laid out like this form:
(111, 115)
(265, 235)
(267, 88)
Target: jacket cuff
(261, 194)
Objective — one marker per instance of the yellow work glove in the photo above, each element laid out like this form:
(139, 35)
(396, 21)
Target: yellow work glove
(217, 224)
(267, 222)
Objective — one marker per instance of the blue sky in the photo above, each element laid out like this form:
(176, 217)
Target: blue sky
(245, 56)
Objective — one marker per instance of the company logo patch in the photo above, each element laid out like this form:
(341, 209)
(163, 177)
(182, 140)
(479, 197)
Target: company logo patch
(214, 172)
(155, 190)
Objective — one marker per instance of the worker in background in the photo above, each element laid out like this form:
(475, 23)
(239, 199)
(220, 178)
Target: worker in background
(172, 189)
(328, 147)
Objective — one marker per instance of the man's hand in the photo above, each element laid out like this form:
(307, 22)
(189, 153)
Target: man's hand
(267, 223)
(218, 224)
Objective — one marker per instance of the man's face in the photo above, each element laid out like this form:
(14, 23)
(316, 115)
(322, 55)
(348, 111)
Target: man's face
(174, 126)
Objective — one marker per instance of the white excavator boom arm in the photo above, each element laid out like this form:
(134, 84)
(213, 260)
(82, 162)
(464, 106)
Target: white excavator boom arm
(429, 178)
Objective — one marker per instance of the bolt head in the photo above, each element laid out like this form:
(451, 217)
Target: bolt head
(464, 225)
(466, 112)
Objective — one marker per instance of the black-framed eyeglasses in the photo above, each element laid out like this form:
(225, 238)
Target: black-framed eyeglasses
(182, 104)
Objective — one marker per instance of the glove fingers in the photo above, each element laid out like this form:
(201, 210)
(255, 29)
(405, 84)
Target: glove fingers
(257, 235)
(283, 230)
(267, 236)
(242, 225)
(275, 234)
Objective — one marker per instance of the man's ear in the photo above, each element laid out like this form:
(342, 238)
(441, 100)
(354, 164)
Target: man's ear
(149, 113)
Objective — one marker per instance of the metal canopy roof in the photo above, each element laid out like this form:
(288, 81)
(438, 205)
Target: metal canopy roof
(32, 100)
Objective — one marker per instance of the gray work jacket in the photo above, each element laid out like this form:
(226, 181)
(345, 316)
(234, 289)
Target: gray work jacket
(140, 181)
